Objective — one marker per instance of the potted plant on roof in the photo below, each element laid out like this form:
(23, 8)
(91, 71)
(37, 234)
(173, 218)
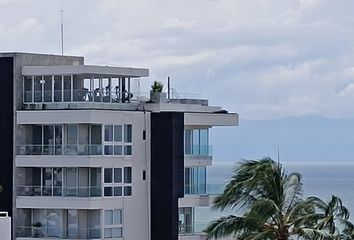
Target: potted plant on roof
(156, 94)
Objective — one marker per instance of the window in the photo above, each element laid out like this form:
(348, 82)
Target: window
(118, 139)
(196, 142)
(117, 175)
(113, 224)
(113, 182)
(127, 175)
(185, 220)
(195, 180)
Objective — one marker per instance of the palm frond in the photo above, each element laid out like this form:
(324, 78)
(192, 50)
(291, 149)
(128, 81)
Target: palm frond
(232, 226)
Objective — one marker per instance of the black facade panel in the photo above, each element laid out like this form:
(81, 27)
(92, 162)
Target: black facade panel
(167, 169)
(6, 136)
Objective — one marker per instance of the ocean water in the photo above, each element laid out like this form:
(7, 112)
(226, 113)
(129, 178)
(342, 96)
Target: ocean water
(319, 179)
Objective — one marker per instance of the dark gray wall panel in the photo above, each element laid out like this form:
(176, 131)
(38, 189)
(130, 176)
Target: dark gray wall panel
(6, 130)
(167, 169)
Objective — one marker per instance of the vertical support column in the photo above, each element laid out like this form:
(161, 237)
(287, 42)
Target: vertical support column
(167, 171)
(123, 92)
(71, 88)
(7, 134)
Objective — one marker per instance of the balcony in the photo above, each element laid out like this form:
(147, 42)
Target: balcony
(204, 189)
(199, 151)
(76, 149)
(61, 191)
(192, 228)
(83, 96)
(58, 224)
(58, 86)
(35, 232)
(76, 139)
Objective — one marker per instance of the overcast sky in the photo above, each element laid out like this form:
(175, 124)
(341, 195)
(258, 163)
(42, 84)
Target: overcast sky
(263, 59)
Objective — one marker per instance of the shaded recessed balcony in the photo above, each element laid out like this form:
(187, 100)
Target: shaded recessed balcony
(59, 182)
(75, 139)
(58, 224)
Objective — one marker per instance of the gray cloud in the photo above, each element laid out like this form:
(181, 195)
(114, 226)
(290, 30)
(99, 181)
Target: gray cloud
(261, 58)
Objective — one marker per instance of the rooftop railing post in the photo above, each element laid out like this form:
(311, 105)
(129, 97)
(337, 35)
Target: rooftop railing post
(168, 88)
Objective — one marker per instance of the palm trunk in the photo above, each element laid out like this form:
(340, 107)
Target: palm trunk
(283, 233)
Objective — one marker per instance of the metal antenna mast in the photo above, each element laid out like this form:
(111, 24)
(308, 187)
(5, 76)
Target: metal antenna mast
(278, 156)
(62, 30)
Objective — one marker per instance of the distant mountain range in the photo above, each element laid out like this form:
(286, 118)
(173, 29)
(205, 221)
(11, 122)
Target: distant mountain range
(300, 139)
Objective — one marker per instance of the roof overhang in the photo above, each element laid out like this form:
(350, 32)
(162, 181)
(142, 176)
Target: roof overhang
(211, 119)
(85, 70)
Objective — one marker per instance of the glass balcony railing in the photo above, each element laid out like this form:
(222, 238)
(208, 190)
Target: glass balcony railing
(200, 226)
(38, 149)
(58, 233)
(199, 150)
(185, 228)
(83, 95)
(194, 228)
(197, 189)
(60, 191)
(200, 189)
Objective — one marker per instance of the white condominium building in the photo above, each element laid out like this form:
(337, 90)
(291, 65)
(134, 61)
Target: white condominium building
(86, 156)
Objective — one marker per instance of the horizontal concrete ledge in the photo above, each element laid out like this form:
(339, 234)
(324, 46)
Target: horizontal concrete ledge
(42, 202)
(71, 161)
(76, 116)
(192, 236)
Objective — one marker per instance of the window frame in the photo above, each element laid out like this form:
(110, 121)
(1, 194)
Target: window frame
(121, 184)
(118, 146)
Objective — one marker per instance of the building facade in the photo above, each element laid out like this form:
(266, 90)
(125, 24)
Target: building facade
(87, 156)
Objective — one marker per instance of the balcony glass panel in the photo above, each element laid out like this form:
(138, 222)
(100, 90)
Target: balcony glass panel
(47, 181)
(196, 142)
(58, 89)
(106, 91)
(81, 88)
(58, 139)
(27, 85)
(67, 89)
(38, 88)
(47, 88)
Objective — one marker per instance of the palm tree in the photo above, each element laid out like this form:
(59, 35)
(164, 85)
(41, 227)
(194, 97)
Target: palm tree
(330, 220)
(272, 206)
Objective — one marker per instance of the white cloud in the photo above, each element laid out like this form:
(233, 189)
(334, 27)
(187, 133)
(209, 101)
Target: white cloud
(179, 23)
(347, 91)
(262, 58)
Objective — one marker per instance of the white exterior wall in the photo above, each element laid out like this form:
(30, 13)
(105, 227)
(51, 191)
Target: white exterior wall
(136, 208)
(5, 226)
